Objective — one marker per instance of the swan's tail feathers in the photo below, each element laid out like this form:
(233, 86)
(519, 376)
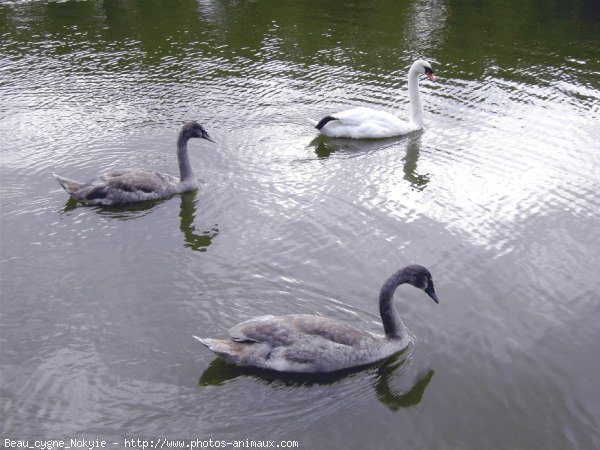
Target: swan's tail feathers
(71, 186)
(324, 121)
(204, 341)
(220, 347)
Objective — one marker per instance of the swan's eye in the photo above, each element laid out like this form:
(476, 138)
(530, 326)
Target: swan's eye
(428, 70)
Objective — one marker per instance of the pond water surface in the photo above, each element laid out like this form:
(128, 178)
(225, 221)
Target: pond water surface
(498, 195)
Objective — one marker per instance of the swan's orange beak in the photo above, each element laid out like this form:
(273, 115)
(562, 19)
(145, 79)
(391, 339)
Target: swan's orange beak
(430, 75)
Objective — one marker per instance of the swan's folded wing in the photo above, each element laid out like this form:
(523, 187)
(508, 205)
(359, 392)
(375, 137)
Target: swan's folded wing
(137, 180)
(356, 116)
(287, 330)
(267, 329)
(330, 330)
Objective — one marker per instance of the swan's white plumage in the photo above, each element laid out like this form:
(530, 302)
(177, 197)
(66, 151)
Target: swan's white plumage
(368, 123)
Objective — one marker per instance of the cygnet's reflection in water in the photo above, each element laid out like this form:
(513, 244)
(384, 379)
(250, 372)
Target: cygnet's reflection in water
(389, 389)
(187, 214)
(325, 146)
(387, 374)
(122, 212)
(196, 241)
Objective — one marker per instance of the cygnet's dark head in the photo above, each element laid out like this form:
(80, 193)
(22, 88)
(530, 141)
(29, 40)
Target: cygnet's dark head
(420, 278)
(424, 67)
(195, 130)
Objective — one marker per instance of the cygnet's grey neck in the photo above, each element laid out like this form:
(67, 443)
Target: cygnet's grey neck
(416, 107)
(185, 166)
(392, 324)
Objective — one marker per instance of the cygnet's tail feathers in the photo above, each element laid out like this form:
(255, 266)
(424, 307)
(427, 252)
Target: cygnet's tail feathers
(220, 347)
(204, 341)
(71, 186)
(324, 121)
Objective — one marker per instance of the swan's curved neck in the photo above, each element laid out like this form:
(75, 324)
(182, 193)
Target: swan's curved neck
(416, 108)
(392, 324)
(185, 166)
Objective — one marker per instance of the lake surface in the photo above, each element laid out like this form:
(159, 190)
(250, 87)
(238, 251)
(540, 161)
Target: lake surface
(498, 195)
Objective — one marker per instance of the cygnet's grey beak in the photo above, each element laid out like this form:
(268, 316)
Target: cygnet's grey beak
(207, 137)
(431, 292)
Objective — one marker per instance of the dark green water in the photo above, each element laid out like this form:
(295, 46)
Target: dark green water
(498, 196)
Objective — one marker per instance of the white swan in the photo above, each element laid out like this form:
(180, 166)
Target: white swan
(367, 123)
(309, 344)
(123, 186)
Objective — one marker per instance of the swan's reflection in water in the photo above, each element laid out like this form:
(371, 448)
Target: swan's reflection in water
(122, 212)
(385, 375)
(396, 398)
(70, 205)
(325, 146)
(413, 149)
(187, 213)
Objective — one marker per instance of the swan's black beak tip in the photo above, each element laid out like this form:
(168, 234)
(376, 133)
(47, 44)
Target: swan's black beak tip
(431, 292)
(208, 138)
(429, 74)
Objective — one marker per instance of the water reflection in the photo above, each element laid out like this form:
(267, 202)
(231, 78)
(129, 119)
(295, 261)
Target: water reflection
(416, 180)
(324, 146)
(187, 215)
(425, 25)
(196, 241)
(123, 212)
(219, 372)
(398, 398)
